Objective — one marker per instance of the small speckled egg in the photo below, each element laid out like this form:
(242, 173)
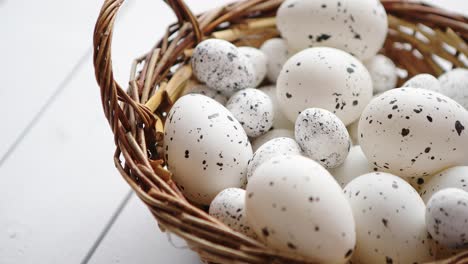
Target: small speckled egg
(274, 133)
(254, 110)
(322, 136)
(324, 78)
(221, 66)
(355, 165)
(447, 217)
(259, 61)
(454, 84)
(455, 177)
(356, 26)
(229, 207)
(277, 53)
(294, 205)
(383, 73)
(275, 147)
(424, 81)
(206, 91)
(390, 224)
(205, 147)
(414, 132)
(281, 121)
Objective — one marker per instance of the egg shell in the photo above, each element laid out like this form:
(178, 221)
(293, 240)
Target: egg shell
(254, 110)
(447, 217)
(355, 26)
(275, 147)
(383, 73)
(206, 91)
(281, 121)
(424, 81)
(259, 61)
(206, 148)
(221, 66)
(353, 132)
(296, 206)
(455, 177)
(454, 84)
(277, 53)
(324, 78)
(229, 207)
(274, 133)
(414, 132)
(390, 224)
(355, 165)
(323, 137)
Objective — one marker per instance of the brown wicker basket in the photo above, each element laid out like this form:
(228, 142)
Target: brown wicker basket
(417, 41)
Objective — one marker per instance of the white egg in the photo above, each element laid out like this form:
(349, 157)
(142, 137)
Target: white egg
(390, 224)
(229, 207)
(254, 110)
(323, 137)
(383, 73)
(277, 53)
(356, 26)
(414, 132)
(455, 177)
(296, 206)
(353, 132)
(281, 121)
(454, 84)
(221, 66)
(259, 61)
(274, 133)
(424, 81)
(206, 148)
(206, 91)
(324, 78)
(355, 165)
(275, 147)
(447, 217)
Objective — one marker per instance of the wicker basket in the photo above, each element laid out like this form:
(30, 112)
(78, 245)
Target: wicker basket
(417, 41)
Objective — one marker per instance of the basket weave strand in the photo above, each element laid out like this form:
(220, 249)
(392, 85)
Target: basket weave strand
(417, 40)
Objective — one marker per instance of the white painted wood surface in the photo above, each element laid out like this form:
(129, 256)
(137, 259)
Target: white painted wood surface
(61, 199)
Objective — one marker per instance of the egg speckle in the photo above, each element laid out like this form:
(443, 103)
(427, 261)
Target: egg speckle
(277, 53)
(383, 73)
(454, 84)
(259, 61)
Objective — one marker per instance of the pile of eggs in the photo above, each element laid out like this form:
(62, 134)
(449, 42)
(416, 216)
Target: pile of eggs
(307, 146)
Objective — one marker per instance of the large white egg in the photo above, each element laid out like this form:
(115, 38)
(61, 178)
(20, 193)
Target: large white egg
(390, 223)
(277, 54)
(259, 61)
(414, 132)
(274, 133)
(294, 205)
(383, 73)
(455, 177)
(206, 148)
(281, 121)
(356, 26)
(454, 84)
(324, 78)
(355, 165)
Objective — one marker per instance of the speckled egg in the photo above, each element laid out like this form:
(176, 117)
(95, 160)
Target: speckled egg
(356, 26)
(281, 121)
(390, 224)
(254, 110)
(206, 91)
(447, 217)
(274, 133)
(355, 165)
(206, 148)
(294, 205)
(275, 147)
(424, 81)
(324, 78)
(222, 66)
(383, 73)
(259, 61)
(454, 84)
(414, 132)
(277, 53)
(229, 207)
(455, 177)
(322, 136)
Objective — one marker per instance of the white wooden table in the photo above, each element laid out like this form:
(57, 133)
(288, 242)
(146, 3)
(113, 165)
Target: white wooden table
(61, 200)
